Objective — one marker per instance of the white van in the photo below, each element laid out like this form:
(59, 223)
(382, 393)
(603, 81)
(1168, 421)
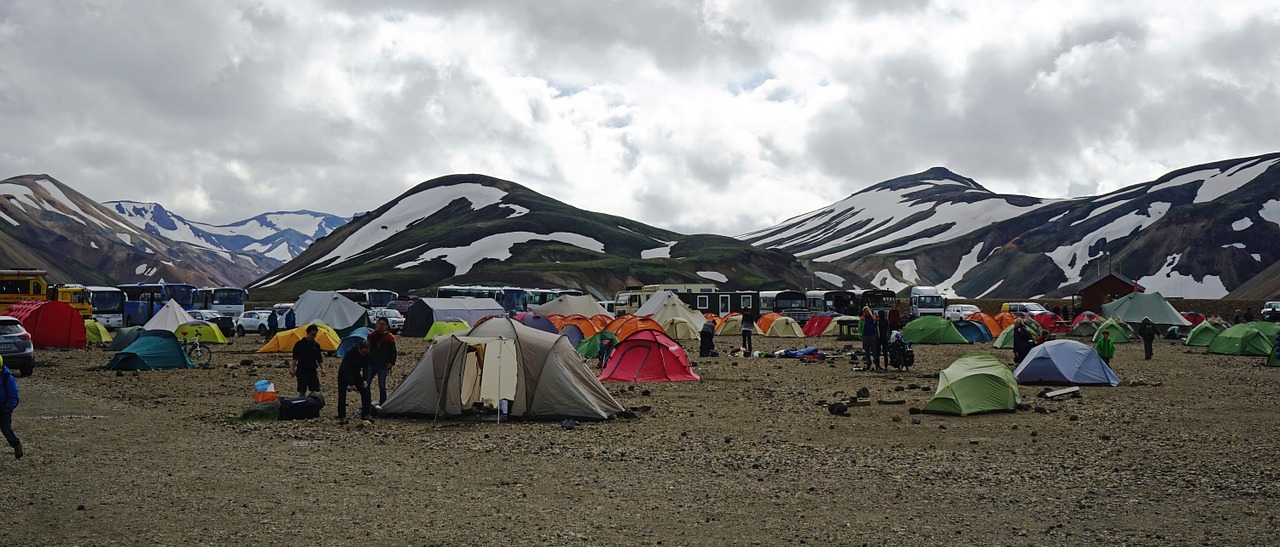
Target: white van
(926, 301)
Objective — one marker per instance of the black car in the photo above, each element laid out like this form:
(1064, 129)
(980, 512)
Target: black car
(15, 346)
(1271, 311)
(225, 323)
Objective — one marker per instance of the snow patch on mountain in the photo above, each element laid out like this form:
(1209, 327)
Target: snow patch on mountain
(967, 262)
(1186, 178)
(497, 246)
(516, 210)
(1232, 179)
(993, 287)
(831, 278)
(714, 276)
(409, 210)
(1270, 211)
(658, 252)
(885, 280)
(1071, 259)
(908, 269)
(8, 219)
(1233, 245)
(1171, 283)
(1242, 224)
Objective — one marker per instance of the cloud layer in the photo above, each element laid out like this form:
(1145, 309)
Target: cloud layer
(721, 116)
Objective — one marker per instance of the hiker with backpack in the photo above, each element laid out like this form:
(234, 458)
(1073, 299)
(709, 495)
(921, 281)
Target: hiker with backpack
(9, 402)
(1147, 331)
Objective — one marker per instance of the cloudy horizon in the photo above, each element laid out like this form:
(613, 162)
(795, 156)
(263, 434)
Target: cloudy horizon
(723, 116)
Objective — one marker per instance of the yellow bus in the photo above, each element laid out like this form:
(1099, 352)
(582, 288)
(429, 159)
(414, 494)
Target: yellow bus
(75, 295)
(21, 284)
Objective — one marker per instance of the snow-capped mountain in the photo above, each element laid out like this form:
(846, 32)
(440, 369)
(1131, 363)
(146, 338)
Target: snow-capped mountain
(281, 235)
(46, 224)
(1198, 232)
(478, 229)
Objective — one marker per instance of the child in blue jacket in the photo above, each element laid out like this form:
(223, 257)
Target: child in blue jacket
(8, 402)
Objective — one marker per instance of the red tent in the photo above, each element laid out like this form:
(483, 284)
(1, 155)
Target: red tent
(648, 356)
(1050, 321)
(52, 324)
(1084, 316)
(817, 324)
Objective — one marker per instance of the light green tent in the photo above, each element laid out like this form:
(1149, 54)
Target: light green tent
(1119, 334)
(1256, 338)
(590, 347)
(1132, 307)
(1201, 335)
(1005, 340)
(96, 333)
(932, 329)
(445, 327)
(977, 382)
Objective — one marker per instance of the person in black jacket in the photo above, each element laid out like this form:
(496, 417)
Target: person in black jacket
(882, 337)
(1021, 341)
(707, 337)
(351, 377)
(1147, 331)
(382, 356)
(307, 364)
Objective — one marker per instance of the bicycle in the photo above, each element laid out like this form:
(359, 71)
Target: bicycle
(201, 354)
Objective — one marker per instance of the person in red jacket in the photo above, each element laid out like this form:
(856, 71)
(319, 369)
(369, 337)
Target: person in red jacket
(382, 356)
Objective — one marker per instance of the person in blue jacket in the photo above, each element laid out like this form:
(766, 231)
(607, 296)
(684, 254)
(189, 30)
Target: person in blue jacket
(8, 402)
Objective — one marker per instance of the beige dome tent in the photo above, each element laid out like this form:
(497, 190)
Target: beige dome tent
(732, 324)
(664, 306)
(499, 358)
(169, 318)
(572, 305)
(782, 327)
(681, 329)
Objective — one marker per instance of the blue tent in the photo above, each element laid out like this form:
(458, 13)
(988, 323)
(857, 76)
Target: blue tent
(1065, 362)
(352, 339)
(153, 350)
(973, 331)
(573, 333)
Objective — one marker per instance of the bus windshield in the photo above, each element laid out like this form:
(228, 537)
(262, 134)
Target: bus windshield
(183, 294)
(107, 301)
(380, 299)
(230, 297)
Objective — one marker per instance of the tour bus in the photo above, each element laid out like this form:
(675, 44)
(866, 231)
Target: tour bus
(630, 300)
(370, 298)
(876, 299)
(843, 302)
(225, 300)
(143, 300)
(21, 284)
(538, 297)
(792, 304)
(76, 296)
(108, 305)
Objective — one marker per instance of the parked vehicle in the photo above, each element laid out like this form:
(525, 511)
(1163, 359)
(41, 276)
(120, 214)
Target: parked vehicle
(252, 321)
(1271, 311)
(1023, 308)
(225, 323)
(15, 346)
(957, 312)
(926, 301)
(395, 320)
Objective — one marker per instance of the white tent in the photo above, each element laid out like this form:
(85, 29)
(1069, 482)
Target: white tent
(585, 306)
(169, 318)
(664, 306)
(330, 308)
(538, 372)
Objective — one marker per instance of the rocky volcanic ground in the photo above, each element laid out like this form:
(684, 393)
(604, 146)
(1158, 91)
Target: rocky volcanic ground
(747, 456)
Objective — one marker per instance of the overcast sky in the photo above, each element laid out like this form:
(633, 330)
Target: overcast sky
(720, 116)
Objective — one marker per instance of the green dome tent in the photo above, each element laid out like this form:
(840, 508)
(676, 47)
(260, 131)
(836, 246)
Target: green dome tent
(1119, 334)
(590, 347)
(932, 329)
(1005, 340)
(1201, 335)
(153, 350)
(977, 382)
(1256, 338)
(445, 327)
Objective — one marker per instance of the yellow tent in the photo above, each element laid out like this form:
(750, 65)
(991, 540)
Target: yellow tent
(283, 341)
(209, 333)
(97, 333)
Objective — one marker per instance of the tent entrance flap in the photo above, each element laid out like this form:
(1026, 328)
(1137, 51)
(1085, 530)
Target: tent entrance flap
(489, 371)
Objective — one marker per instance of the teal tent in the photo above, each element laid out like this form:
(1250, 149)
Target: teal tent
(932, 329)
(352, 339)
(153, 350)
(977, 382)
(123, 337)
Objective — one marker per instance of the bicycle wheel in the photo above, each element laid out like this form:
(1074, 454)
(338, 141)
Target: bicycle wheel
(200, 355)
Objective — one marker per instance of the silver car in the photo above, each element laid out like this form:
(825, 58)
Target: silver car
(15, 346)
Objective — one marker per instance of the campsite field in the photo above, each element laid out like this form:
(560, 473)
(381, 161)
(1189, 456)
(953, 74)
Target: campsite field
(746, 456)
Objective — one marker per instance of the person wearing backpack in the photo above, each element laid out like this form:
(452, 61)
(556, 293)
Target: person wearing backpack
(8, 402)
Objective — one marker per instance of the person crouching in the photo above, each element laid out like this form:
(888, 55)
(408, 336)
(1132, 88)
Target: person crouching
(352, 374)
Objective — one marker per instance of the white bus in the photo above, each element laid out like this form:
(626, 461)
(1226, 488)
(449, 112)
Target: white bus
(108, 305)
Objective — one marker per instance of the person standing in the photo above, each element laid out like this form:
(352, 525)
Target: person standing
(1147, 331)
(1021, 340)
(353, 375)
(382, 356)
(895, 321)
(8, 403)
(882, 337)
(273, 324)
(290, 319)
(307, 364)
(707, 338)
(1106, 347)
(748, 328)
(870, 338)
(1248, 315)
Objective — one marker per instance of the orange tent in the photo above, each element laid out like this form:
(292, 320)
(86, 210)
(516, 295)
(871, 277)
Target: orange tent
(767, 320)
(601, 321)
(1005, 320)
(630, 324)
(584, 324)
(556, 319)
(987, 321)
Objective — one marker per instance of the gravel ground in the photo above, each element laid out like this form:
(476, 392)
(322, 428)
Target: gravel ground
(747, 456)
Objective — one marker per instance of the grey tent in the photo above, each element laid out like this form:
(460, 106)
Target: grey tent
(424, 312)
(1132, 307)
(501, 359)
(332, 309)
